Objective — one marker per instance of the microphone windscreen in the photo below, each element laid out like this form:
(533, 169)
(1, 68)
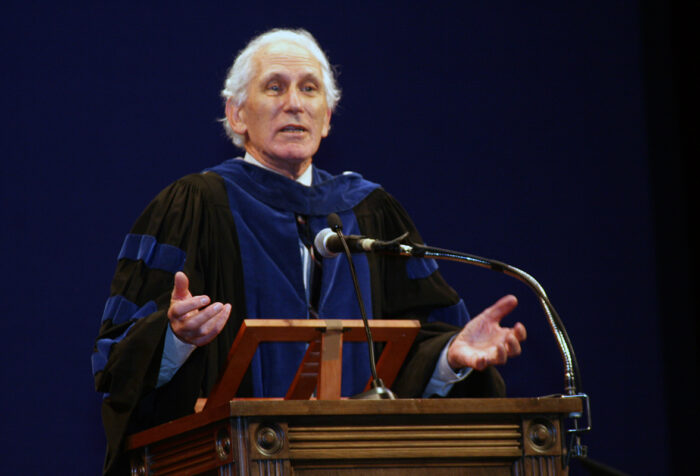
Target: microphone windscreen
(320, 243)
(335, 222)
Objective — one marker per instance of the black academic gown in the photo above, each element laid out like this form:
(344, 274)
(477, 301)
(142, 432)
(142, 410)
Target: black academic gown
(233, 231)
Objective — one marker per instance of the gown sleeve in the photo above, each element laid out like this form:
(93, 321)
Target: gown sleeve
(414, 289)
(179, 231)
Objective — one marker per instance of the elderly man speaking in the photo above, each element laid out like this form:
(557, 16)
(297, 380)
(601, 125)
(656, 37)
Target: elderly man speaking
(234, 243)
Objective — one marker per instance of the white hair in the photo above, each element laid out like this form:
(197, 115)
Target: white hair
(242, 71)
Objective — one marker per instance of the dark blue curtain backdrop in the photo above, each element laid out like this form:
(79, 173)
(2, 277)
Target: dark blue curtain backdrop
(509, 130)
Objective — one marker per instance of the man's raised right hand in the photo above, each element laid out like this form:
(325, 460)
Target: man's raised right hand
(192, 318)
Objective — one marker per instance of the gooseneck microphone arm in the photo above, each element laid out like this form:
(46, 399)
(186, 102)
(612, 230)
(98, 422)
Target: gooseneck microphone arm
(329, 246)
(572, 375)
(330, 243)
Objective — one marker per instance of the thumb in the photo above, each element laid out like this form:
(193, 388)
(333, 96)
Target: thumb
(181, 287)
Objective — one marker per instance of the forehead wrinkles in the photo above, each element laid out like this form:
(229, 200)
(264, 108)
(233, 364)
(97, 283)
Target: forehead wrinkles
(286, 59)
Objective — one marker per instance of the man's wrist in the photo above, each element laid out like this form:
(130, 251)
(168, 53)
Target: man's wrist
(455, 367)
(445, 370)
(175, 353)
(444, 376)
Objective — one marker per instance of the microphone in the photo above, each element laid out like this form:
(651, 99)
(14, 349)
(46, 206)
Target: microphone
(402, 246)
(322, 242)
(330, 245)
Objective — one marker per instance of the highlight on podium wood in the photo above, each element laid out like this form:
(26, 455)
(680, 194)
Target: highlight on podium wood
(321, 366)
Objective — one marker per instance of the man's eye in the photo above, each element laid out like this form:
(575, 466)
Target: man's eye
(274, 87)
(309, 88)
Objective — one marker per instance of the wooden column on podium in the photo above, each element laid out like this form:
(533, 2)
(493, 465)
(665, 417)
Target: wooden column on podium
(330, 436)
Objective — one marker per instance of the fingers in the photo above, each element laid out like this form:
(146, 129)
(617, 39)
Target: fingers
(481, 363)
(496, 355)
(214, 326)
(484, 352)
(201, 326)
(499, 355)
(462, 355)
(179, 308)
(501, 308)
(197, 319)
(512, 345)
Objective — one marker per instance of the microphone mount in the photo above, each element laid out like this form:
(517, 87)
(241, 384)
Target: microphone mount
(378, 390)
(403, 246)
(572, 377)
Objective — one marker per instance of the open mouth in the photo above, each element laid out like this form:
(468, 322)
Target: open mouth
(293, 128)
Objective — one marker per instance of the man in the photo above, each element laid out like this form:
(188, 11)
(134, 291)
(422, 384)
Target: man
(234, 243)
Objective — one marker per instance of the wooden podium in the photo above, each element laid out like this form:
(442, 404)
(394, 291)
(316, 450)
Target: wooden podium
(334, 436)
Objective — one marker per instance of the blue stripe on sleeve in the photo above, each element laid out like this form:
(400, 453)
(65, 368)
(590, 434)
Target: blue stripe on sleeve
(418, 268)
(155, 255)
(99, 358)
(119, 310)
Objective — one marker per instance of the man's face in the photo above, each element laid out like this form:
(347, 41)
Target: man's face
(286, 114)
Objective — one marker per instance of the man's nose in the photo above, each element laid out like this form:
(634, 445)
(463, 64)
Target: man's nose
(294, 101)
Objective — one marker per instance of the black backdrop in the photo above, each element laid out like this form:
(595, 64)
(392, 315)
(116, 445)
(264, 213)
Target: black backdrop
(546, 136)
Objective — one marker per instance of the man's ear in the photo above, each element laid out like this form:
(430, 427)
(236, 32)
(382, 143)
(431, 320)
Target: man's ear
(235, 115)
(327, 123)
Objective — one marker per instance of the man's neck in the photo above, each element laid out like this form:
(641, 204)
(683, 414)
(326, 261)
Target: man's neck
(290, 169)
(303, 178)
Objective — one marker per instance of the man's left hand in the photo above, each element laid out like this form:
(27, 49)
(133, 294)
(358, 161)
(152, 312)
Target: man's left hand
(483, 342)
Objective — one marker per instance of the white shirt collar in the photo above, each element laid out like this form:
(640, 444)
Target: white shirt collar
(304, 179)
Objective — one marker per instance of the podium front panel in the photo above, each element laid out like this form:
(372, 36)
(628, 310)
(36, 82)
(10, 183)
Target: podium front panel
(350, 437)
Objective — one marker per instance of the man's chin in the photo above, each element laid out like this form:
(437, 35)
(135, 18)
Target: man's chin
(294, 153)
